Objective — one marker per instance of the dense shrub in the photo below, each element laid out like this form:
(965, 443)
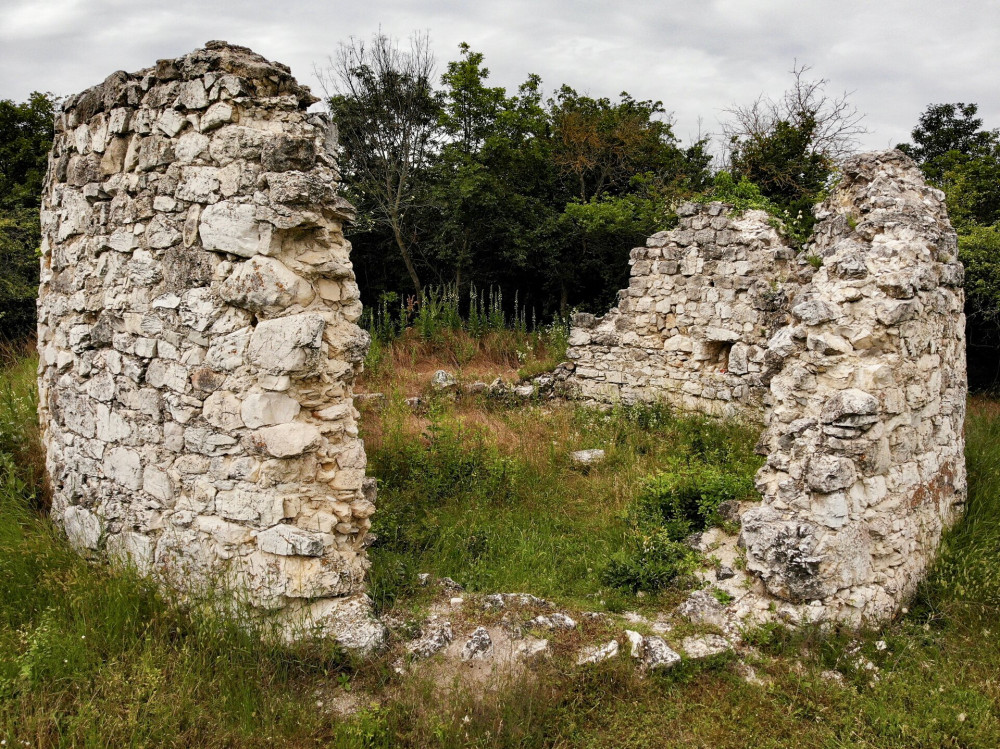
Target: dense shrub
(25, 138)
(650, 562)
(687, 500)
(671, 506)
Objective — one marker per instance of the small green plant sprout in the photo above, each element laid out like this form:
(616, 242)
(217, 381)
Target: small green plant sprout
(722, 596)
(344, 681)
(815, 261)
(852, 222)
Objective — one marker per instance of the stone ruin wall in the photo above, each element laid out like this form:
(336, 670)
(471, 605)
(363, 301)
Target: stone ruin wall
(198, 339)
(693, 325)
(198, 344)
(856, 368)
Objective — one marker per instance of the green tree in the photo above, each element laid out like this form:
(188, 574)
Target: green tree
(943, 131)
(474, 215)
(959, 156)
(979, 250)
(789, 147)
(387, 112)
(623, 173)
(542, 197)
(471, 108)
(26, 131)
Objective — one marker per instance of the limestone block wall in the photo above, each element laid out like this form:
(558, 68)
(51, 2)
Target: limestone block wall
(857, 369)
(693, 325)
(197, 334)
(865, 434)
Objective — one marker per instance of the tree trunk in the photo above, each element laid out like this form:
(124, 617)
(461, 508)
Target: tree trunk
(407, 261)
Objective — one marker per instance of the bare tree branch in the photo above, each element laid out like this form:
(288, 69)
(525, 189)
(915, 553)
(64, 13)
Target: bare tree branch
(837, 122)
(383, 101)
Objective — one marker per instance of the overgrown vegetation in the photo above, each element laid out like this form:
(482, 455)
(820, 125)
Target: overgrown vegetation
(461, 328)
(715, 465)
(25, 139)
(958, 155)
(487, 495)
(92, 655)
(544, 195)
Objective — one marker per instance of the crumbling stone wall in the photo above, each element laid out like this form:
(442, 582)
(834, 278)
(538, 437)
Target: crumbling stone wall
(865, 434)
(197, 337)
(862, 392)
(693, 325)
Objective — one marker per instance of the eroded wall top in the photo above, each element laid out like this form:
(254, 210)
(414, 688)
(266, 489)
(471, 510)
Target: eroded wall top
(197, 333)
(693, 325)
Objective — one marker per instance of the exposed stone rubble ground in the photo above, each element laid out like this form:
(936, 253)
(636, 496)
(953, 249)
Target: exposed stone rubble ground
(462, 633)
(197, 338)
(857, 369)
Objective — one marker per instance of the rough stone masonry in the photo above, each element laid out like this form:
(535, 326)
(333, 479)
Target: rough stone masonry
(857, 369)
(198, 342)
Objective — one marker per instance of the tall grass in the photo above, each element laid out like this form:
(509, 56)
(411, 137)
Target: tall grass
(968, 572)
(22, 462)
(492, 505)
(464, 325)
(439, 308)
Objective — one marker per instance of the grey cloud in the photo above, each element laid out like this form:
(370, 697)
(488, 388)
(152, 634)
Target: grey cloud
(897, 56)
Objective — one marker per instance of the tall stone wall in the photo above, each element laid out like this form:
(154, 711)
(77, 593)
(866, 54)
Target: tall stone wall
(865, 431)
(857, 370)
(197, 337)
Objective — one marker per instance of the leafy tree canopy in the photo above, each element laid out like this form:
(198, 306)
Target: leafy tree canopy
(25, 139)
(948, 127)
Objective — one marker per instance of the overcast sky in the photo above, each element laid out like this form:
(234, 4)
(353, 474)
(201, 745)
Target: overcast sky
(697, 56)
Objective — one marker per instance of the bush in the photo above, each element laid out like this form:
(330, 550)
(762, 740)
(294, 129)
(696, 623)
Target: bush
(687, 500)
(19, 242)
(670, 507)
(979, 250)
(452, 465)
(650, 562)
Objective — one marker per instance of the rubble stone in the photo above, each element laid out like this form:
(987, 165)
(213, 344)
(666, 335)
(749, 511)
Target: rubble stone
(587, 457)
(705, 646)
(597, 653)
(479, 646)
(437, 635)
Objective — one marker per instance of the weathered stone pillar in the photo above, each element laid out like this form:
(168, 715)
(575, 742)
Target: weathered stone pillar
(198, 342)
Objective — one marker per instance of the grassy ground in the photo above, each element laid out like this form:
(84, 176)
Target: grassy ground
(91, 655)
(486, 493)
